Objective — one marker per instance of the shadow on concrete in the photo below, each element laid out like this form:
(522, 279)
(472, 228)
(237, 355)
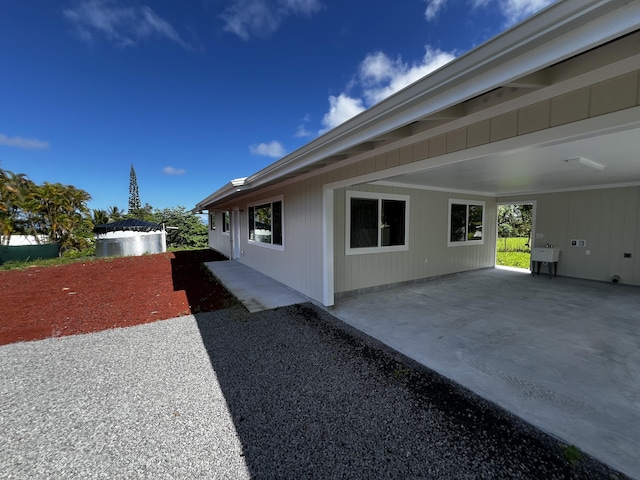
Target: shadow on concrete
(311, 397)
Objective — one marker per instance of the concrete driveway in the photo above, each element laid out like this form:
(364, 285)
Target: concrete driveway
(561, 353)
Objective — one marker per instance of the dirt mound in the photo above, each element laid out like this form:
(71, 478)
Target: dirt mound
(42, 302)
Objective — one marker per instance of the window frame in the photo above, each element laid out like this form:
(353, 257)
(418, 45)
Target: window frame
(260, 203)
(379, 197)
(467, 203)
(212, 221)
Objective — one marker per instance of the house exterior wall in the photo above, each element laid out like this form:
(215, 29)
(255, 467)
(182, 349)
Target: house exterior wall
(607, 219)
(571, 92)
(428, 254)
(218, 240)
(299, 264)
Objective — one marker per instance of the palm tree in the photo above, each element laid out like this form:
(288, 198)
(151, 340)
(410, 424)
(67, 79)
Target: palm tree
(51, 209)
(100, 217)
(115, 214)
(61, 209)
(14, 191)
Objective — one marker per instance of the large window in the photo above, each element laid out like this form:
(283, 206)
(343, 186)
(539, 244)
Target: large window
(466, 222)
(376, 222)
(265, 223)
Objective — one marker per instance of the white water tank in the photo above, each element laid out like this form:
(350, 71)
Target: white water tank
(130, 237)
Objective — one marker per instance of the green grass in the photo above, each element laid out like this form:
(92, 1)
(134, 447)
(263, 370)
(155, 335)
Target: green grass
(39, 262)
(572, 455)
(513, 252)
(513, 259)
(513, 244)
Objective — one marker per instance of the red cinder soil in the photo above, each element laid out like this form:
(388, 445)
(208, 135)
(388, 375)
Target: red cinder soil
(88, 296)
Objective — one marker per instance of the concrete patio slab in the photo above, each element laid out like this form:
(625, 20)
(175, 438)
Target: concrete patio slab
(561, 353)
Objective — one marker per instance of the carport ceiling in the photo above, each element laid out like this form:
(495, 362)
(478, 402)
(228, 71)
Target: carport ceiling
(539, 168)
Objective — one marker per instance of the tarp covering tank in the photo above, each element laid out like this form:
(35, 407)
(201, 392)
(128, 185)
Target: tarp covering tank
(130, 237)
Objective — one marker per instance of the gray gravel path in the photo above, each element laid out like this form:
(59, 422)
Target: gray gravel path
(290, 393)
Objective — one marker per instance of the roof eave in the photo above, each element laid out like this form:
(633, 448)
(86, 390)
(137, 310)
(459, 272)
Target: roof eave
(558, 32)
(234, 186)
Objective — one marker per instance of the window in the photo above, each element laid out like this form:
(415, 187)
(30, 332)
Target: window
(212, 221)
(466, 221)
(226, 222)
(265, 223)
(376, 222)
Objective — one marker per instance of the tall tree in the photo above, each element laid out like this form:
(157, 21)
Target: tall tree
(190, 231)
(134, 196)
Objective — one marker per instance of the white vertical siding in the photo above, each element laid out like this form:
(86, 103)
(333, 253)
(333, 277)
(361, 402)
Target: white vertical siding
(218, 240)
(299, 265)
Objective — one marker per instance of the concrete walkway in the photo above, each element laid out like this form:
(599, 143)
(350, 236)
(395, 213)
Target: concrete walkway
(562, 354)
(255, 291)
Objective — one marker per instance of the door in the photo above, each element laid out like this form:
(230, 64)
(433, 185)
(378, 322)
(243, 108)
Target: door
(235, 234)
(515, 234)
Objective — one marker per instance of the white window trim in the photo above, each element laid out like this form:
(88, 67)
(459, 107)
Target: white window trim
(465, 242)
(376, 196)
(225, 232)
(271, 200)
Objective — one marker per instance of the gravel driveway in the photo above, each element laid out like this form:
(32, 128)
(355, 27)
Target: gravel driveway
(290, 393)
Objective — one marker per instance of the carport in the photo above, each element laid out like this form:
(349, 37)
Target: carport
(561, 353)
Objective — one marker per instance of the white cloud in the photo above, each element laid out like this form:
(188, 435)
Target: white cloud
(517, 10)
(301, 130)
(261, 18)
(379, 77)
(341, 109)
(19, 142)
(124, 26)
(273, 149)
(512, 10)
(169, 170)
(479, 3)
(383, 77)
(433, 8)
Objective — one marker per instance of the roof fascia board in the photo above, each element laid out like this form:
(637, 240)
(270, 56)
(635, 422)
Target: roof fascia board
(219, 194)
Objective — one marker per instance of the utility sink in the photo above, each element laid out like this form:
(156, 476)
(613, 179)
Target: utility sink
(545, 254)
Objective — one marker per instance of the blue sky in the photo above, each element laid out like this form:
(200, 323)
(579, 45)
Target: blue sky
(196, 93)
